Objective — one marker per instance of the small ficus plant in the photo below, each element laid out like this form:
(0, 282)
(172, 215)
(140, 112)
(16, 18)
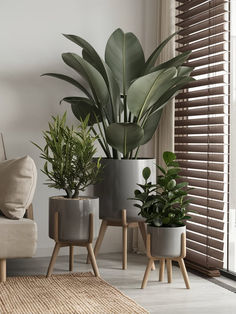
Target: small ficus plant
(164, 204)
(68, 155)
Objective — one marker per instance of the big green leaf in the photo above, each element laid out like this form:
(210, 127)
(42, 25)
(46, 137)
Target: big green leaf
(89, 50)
(153, 57)
(174, 86)
(184, 71)
(174, 62)
(146, 90)
(90, 74)
(71, 81)
(81, 107)
(124, 55)
(150, 126)
(124, 136)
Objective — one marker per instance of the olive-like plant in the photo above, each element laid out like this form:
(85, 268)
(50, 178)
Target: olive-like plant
(68, 155)
(124, 94)
(164, 204)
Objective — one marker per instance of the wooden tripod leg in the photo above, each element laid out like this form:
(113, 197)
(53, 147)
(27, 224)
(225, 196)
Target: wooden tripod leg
(124, 236)
(53, 258)
(184, 272)
(93, 259)
(147, 271)
(142, 229)
(3, 270)
(71, 261)
(169, 269)
(102, 232)
(161, 269)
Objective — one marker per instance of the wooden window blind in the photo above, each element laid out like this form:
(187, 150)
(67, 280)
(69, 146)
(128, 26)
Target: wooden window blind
(202, 127)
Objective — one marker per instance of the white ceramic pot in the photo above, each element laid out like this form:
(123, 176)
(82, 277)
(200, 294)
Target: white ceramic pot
(166, 241)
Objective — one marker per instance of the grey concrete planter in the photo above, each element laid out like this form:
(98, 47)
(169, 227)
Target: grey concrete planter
(120, 178)
(166, 241)
(73, 217)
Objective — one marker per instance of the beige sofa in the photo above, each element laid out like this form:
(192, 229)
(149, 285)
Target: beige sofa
(18, 238)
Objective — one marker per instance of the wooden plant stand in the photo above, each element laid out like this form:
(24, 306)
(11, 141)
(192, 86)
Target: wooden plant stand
(71, 245)
(125, 225)
(168, 260)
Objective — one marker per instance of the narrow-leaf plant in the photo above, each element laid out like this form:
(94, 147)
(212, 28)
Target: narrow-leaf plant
(68, 155)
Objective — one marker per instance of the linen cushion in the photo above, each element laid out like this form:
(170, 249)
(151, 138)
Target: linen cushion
(18, 238)
(17, 186)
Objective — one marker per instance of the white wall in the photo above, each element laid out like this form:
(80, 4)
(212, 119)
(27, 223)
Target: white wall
(31, 44)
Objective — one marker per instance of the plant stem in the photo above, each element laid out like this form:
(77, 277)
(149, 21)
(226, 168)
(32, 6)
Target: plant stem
(100, 141)
(136, 154)
(125, 108)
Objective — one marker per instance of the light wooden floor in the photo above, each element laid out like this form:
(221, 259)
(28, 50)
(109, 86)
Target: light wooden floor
(204, 297)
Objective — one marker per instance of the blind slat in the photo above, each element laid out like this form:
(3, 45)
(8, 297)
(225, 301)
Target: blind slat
(200, 102)
(203, 121)
(203, 92)
(200, 139)
(203, 260)
(207, 193)
(205, 249)
(203, 175)
(215, 234)
(217, 214)
(201, 35)
(207, 51)
(204, 240)
(203, 183)
(212, 129)
(200, 9)
(208, 60)
(202, 157)
(203, 43)
(209, 69)
(200, 111)
(202, 25)
(202, 165)
(206, 81)
(207, 202)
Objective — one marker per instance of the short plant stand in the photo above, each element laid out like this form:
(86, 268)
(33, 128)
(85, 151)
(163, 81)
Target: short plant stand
(168, 260)
(125, 225)
(59, 244)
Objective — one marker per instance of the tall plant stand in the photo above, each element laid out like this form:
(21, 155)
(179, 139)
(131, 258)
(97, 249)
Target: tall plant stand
(71, 244)
(168, 260)
(125, 225)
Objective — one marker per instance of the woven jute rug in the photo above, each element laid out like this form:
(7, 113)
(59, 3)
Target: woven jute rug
(70, 293)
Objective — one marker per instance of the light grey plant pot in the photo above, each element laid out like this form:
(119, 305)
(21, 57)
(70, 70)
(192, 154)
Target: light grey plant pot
(166, 241)
(73, 217)
(119, 180)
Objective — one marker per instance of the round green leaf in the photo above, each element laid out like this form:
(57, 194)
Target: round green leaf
(146, 173)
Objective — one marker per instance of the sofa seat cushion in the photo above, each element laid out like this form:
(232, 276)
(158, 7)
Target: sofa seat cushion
(18, 238)
(17, 186)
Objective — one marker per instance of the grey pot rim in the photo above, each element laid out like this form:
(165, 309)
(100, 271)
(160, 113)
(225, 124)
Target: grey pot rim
(124, 159)
(80, 198)
(166, 228)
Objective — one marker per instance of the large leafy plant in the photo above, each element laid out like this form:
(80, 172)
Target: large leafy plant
(124, 94)
(68, 155)
(164, 204)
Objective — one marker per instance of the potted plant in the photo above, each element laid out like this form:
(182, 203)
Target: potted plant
(124, 95)
(69, 166)
(164, 206)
